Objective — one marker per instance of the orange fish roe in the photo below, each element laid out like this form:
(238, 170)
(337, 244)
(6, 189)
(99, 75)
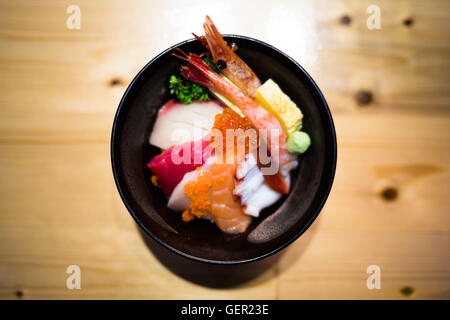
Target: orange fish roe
(186, 216)
(229, 119)
(198, 191)
(154, 180)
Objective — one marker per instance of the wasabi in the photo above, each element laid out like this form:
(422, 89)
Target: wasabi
(298, 142)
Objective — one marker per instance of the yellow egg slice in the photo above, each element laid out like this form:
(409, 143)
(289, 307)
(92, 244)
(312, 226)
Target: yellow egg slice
(273, 99)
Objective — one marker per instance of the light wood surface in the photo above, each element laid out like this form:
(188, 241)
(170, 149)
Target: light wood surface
(58, 202)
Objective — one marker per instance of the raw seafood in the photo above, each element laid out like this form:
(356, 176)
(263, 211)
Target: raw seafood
(169, 172)
(226, 209)
(207, 179)
(177, 123)
(234, 68)
(251, 188)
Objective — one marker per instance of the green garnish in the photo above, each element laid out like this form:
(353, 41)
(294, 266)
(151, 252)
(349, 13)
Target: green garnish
(187, 91)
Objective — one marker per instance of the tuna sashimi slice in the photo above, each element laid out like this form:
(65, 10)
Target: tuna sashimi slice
(171, 165)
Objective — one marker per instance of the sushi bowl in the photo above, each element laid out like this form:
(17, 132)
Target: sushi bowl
(280, 224)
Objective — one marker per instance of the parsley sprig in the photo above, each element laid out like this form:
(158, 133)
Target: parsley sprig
(187, 91)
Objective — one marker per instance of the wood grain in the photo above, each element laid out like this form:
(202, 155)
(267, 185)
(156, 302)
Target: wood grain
(59, 90)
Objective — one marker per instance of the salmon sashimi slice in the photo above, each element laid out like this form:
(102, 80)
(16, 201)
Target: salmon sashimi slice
(226, 209)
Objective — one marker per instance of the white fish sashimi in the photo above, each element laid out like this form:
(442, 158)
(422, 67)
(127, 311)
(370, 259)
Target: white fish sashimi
(255, 194)
(177, 123)
(178, 200)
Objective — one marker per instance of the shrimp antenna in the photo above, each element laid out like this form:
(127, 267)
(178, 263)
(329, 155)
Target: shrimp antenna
(184, 55)
(202, 40)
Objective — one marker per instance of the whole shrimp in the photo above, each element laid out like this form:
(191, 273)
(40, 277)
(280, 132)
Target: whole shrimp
(235, 69)
(200, 72)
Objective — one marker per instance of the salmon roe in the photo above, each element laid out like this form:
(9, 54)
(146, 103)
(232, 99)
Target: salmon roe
(229, 119)
(155, 181)
(198, 191)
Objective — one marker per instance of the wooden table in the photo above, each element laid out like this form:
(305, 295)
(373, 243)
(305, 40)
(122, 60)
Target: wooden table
(389, 205)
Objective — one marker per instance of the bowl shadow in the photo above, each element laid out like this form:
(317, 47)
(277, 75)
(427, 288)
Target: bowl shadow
(208, 274)
(227, 276)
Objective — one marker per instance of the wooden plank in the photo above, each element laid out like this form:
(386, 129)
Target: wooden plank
(59, 91)
(69, 217)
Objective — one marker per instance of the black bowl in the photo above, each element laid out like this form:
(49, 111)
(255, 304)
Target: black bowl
(200, 240)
